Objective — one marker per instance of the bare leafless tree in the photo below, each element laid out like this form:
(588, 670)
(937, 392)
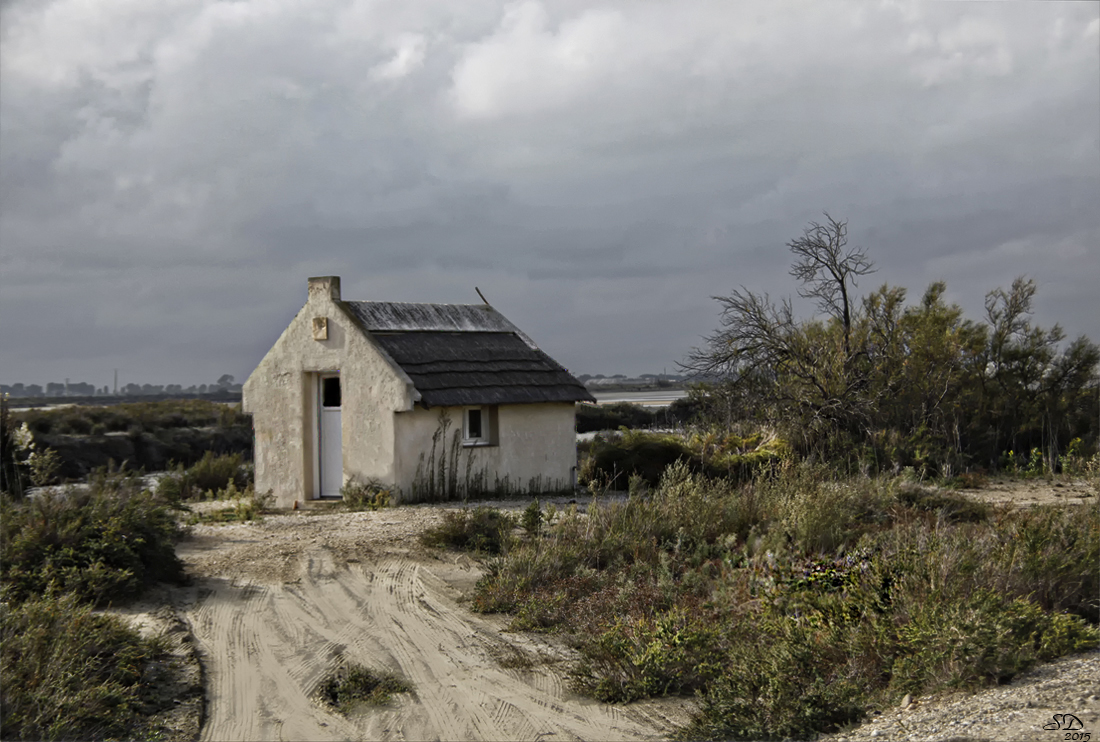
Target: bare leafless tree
(827, 269)
(762, 354)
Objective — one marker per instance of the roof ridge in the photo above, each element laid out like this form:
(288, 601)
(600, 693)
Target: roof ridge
(420, 303)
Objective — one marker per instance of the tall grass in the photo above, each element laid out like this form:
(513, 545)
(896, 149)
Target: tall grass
(797, 602)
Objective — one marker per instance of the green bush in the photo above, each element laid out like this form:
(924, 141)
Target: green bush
(984, 638)
(212, 472)
(670, 652)
(613, 459)
(70, 673)
(1046, 555)
(103, 543)
(592, 418)
(1049, 555)
(532, 518)
(210, 475)
(482, 529)
(613, 416)
(782, 680)
(157, 433)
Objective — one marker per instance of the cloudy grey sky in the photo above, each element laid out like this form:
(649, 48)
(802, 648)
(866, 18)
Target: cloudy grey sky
(172, 171)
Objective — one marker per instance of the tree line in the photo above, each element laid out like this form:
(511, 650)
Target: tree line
(84, 389)
(885, 383)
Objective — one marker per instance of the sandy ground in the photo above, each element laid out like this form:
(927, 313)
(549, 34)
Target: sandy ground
(1039, 491)
(277, 604)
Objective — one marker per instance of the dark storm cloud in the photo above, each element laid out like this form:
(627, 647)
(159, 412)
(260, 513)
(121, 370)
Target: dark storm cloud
(170, 173)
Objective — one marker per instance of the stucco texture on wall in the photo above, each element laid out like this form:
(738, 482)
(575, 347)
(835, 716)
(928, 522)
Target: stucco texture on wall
(534, 451)
(281, 396)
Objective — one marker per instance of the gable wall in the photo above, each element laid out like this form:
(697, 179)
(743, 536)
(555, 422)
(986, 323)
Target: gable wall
(281, 397)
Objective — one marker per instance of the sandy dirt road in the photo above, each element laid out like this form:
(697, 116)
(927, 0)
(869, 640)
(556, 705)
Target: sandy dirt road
(275, 605)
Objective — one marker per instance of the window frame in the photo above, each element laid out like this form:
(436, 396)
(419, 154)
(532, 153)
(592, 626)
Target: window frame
(488, 435)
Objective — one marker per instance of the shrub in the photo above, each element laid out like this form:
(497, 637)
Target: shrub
(158, 433)
(150, 416)
(613, 416)
(213, 472)
(532, 518)
(1049, 555)
(815, 513)
(70, 673)
(370, 495)
(482, 529)
(13, 472)
(351, 684)
(615, 458)
(105, 543)
(981, 639)
(210, 475)
(782, 681)
(671, 652)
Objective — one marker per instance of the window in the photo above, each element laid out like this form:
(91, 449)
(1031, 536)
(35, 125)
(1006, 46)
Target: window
(473, 424)
(479, 426)
(330, 391)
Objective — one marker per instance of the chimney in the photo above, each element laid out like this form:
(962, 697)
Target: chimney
(324, 286)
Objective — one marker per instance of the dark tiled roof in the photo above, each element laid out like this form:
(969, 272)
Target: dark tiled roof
(394, 316)
(477, 367)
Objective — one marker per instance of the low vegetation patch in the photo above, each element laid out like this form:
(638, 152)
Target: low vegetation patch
(208, 479)
(141, 435)
(481, 529)
(350, 684)
(591, 417)
(103, 544)
(797, 602)
(370, 495)
(149, 416)
(611, 460)
(247, 505)
(70, 673)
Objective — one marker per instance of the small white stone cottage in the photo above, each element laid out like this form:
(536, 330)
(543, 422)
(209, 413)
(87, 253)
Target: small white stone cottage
(433, 400)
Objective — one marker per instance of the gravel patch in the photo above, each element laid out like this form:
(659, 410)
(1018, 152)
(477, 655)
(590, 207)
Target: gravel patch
(1024, 709)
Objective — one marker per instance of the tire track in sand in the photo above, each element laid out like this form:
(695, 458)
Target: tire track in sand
(266, 646)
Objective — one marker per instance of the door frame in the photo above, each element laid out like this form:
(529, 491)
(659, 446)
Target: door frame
(317, 423)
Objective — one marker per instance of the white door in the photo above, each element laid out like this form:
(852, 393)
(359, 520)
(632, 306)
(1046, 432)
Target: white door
(331, 456)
